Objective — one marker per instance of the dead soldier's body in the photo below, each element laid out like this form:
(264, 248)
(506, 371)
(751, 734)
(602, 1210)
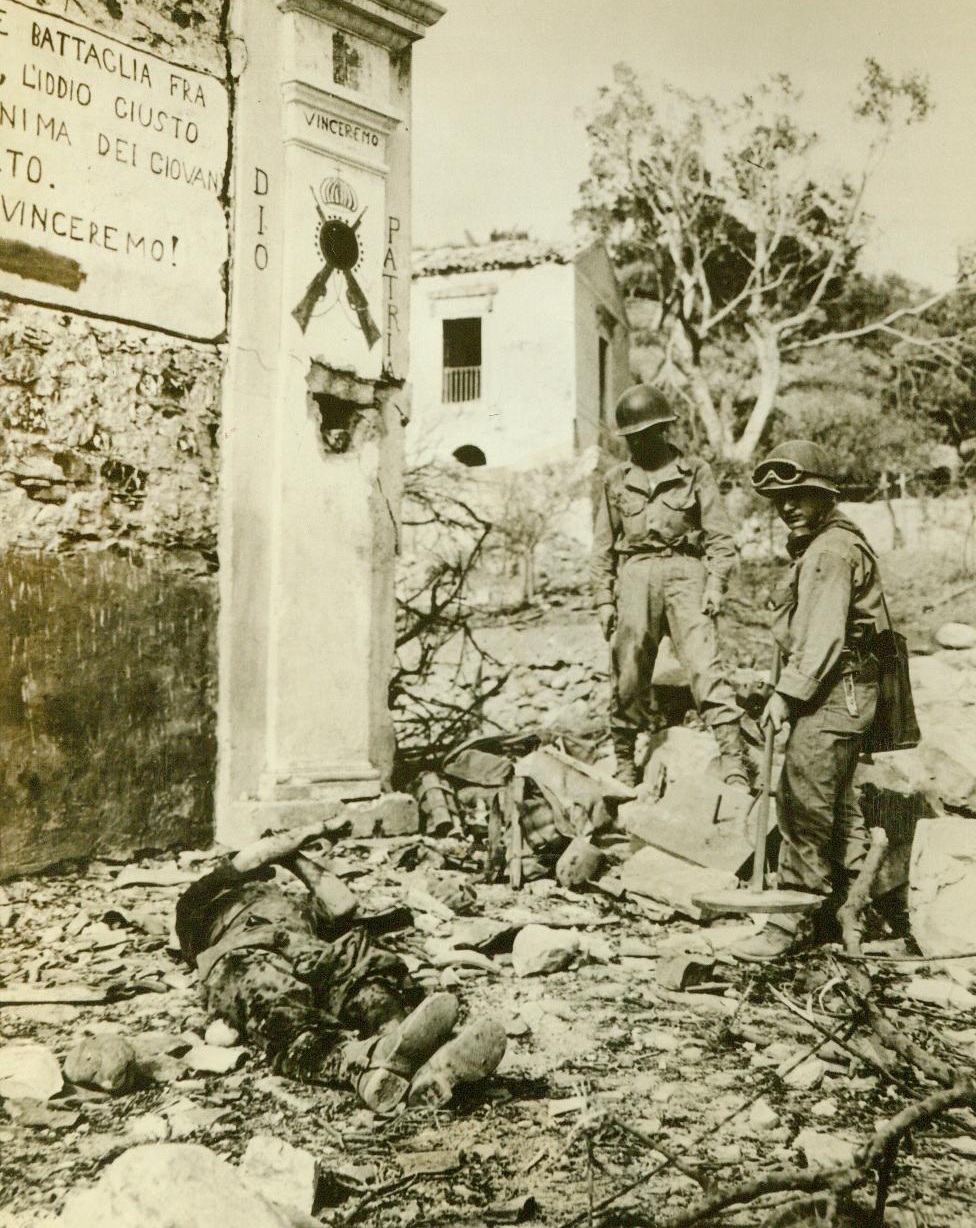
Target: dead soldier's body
(325, 1005)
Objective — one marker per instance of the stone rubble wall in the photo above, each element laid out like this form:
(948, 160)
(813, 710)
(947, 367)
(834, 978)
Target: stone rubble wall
(108, 486)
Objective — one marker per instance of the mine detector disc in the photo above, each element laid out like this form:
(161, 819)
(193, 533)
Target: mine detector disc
(745, 900)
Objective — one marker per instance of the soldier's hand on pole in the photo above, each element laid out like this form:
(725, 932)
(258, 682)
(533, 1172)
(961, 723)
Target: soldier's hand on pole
(607, 615)
(776, 712)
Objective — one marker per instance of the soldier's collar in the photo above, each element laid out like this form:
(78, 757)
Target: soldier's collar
(648, 479)
(797, 543)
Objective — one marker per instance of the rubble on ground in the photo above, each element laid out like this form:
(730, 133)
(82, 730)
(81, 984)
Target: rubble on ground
(629, 1027)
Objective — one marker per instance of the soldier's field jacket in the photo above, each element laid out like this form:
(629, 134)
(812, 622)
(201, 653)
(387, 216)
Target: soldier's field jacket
(676, 509)
(831, 602)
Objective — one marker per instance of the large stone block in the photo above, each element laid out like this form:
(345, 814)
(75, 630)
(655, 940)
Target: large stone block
(107, 695)
(159, 1185)
(697, 819)
(391, 814)
(649, 872)
(942, 886)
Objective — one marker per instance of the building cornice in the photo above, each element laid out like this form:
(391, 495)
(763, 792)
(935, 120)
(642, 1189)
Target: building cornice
(394, 24)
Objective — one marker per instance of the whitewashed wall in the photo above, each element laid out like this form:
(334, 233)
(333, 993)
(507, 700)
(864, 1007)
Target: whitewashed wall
(527, 409)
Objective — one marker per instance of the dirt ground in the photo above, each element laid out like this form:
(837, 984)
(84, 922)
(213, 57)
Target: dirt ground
(591, 1047)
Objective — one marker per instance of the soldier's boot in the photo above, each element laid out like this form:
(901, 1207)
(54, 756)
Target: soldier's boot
(470, 1056)
(782, 935)
(624, 746)
(734, 763)
(381, 1068)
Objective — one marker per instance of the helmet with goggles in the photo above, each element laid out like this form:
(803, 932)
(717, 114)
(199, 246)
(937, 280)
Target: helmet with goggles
(794, 464)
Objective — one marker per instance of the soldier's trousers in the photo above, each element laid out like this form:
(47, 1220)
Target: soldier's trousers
(659, 595)
(824, 837)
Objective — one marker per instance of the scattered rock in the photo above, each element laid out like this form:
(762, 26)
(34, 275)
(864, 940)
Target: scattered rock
(428, 1163)
(221, 1035)
(159, 1185)
(680, 971)
(940, 991)
(762, 1116)
(29, 1071)
(579, 864)
(40, 1116)
(539, 950)
(824, 1108)
(149, 1128)
(186, 1118)
(391, 814)
(696, 818)
(807, 1075)
(281, 1173)
(214, 1059)
(825, 1150)
(956, 636)
(681, 753)
(105, 1062)
(727, 1153)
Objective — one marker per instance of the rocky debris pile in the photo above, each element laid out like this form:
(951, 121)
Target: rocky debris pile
(612, 1014)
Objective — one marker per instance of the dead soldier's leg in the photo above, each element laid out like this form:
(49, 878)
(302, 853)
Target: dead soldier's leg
(696, 645)
(633, 651)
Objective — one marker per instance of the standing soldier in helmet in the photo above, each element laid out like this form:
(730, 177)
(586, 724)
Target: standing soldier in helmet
(662, 551)
(828, 616)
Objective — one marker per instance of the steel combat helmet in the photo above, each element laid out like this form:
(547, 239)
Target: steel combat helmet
(795, 463)
(641, 407)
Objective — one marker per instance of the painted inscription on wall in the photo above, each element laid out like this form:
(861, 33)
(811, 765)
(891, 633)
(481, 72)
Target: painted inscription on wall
(112, 162)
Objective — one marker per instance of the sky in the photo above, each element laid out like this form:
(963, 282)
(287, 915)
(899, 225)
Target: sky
(502, 89)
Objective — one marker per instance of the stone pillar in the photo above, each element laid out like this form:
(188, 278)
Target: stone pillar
(313, 405)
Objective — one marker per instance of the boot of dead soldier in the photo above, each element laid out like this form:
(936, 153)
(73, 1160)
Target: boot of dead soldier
(624, 746)
(381, 1067)
(470, 1056)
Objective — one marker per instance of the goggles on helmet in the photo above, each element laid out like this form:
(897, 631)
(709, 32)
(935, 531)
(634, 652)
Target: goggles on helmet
(773, 473)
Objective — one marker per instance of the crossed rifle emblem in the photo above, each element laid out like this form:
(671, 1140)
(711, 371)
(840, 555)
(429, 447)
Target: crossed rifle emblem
(340, 248)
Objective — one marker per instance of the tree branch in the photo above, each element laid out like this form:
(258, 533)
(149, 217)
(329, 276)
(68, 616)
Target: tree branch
(850, 333)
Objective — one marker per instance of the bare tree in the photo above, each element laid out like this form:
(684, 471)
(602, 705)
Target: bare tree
(720, 214)
(527, 511)
(443, 676)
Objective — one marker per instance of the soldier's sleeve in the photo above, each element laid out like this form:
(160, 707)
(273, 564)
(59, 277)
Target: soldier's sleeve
(819, 624)
(603, 561)
(718, 536)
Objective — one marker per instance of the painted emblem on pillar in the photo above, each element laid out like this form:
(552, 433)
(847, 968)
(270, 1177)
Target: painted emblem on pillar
(339, 245)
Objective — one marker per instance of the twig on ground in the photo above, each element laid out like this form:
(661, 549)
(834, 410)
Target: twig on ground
(896, 1037)
(652, 1141)
(878, 1155)
(699, 1138)
(850, 914)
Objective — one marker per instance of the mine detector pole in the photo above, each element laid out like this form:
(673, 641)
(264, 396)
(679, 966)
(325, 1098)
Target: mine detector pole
(766, 786)
(757, 898)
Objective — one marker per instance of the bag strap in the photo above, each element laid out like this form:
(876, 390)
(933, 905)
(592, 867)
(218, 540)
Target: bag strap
(862, 540)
